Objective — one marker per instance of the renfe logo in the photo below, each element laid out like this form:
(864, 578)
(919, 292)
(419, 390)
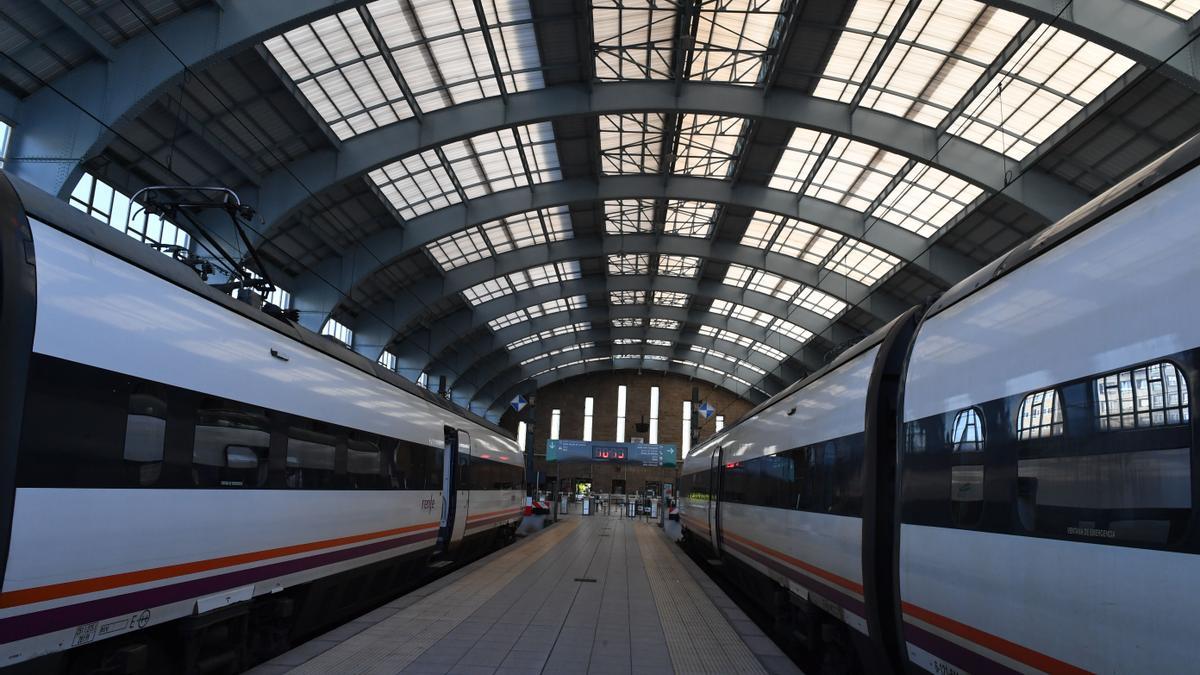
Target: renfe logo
(427, 504)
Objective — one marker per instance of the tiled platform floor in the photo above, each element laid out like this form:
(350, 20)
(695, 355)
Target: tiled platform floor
(597, 594)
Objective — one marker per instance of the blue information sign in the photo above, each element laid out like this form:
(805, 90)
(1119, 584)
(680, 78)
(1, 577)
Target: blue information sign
(644, 454)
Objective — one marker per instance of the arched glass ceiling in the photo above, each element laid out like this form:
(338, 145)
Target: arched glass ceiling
(950, 44)
(636, 39)
(849, 257)
(391, 59)
(705, 145)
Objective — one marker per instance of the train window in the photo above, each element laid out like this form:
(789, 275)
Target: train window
(418, 467)
(1148, 396)
(311, 456)
(365, 465)
(146, 436)
(230, 445)
(966, 494)
(1041, 415)
(966, 434)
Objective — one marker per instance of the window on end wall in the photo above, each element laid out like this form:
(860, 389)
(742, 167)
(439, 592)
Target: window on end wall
(388, 360)
(1040, 415)
(967, 433)
(5, 138)
(423, 380)
(338, 332)
(102, 202)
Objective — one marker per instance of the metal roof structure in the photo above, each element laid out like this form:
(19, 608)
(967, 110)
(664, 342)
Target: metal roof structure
(496, 191)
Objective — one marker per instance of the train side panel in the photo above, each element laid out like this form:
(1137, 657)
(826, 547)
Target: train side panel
(1040, 530)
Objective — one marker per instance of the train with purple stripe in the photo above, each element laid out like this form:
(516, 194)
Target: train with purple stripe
(191, 484)
(1002, 481)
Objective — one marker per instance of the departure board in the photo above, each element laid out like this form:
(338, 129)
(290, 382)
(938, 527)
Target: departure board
(640, 454)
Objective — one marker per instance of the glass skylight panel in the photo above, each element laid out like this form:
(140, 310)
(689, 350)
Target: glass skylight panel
(496, 160)
(631, 143)
(943, 50)
(388, 360)
(671, 298)
(520, 281)
(500, 236)
(785, 289)
(625, 322)
(854, 174)
(629, 216)
(627, 341)
(339, 69)
(416, 184)
(549, 333)
(722, 373)
(796, 238)
(561, 350)
(627, 298)
(801, 154)
(1184, 9)
(667, 324)
(338, 331)
(862, 262)
(654, 342)
(629, 263)
(733, 359)
(688, 218)
(734, 39)
(543, 309)
(1050, 79)
(654, 357)
(759, 318)
(482, 164)
(707, 145)
(926, 199)
(678, 266)
(438, 46)
(742, 341)
(633, 39)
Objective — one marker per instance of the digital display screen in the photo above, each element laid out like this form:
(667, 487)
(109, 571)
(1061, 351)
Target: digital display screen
(614, 453)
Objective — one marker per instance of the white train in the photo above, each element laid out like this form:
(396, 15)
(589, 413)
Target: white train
(187, 483)
(1001, 483)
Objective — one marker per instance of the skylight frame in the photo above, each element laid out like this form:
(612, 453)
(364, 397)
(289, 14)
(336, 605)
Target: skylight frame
(631, 143)
(708, 145)
(837, 253)
(689, 218)
(783, 288)
(741, 341)
(630, 297)
(627, 322)
(757, 317)
(532, 277)
(671, 298)
(629, 263)
(1180, 9)
(683, 266)
(629, 216)
(549, 333)
(539, 310)
(665, 324)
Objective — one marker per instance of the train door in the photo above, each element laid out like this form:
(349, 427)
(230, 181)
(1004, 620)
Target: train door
(462, 481)
(449, 488)
(716, 481)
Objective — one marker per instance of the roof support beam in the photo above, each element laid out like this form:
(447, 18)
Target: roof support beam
(282, 194)
(79, 27)
(312, 293)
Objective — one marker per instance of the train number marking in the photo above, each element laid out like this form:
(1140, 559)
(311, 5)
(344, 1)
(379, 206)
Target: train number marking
(84, 634)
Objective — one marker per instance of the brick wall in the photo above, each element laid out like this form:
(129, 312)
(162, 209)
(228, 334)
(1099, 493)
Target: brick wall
(568, 396)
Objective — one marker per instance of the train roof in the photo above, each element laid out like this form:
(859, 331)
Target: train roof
(65, 217)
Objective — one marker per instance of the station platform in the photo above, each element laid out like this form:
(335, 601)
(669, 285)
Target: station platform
(590, 594)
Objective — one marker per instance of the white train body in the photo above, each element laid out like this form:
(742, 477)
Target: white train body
(1043, 440)
(89, 563)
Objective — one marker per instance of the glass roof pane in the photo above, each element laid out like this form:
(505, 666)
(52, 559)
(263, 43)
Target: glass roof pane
(416, 184)
(1184, 9)
(668, 324)
(629, 263)
(785, 289)
(437, 45)
(678, 266)
(926, 199)
(733, 39)
(627, 298)
(1051, 78)
(862, 262)
(944, 49)
(543, 309)
(707, 145)
(625, 322)
(628, 216)
(549, 333)
(831, 251)
(854, 174)
(482, 164)
(759, 318)
(500, 236)
(631, 143)
(742, 341)
(690, 219)
(561, 350)
(671, 298)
